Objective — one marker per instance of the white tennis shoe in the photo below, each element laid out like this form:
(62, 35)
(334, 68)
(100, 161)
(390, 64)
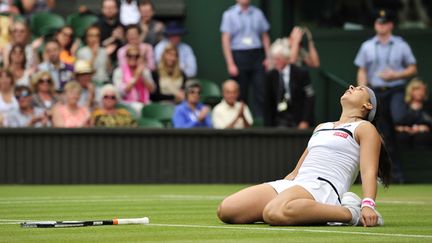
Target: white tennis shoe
(353, 202)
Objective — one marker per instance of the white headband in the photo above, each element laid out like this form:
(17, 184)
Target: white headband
(373, 101)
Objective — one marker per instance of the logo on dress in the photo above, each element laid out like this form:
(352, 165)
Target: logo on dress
(341, 134)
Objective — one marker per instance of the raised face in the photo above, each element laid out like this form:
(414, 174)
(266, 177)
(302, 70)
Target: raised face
(356, 96)
(230, 92)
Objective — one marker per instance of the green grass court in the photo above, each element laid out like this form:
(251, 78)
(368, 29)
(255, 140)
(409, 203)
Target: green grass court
(186, 213)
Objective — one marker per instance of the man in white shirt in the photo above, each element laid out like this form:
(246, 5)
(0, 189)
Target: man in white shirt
(230, 113)
(129, 12)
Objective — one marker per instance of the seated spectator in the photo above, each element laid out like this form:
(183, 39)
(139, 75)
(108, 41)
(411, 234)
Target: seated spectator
(83, 75)
(8, 7)
(299, 54)
(134, 80)
(61, 72)
(191, 113)
(27, 115)
(129, 12)
(17, 66)
(20, 35)
(108, 115)
(414, 127)
(133, 33)
(174, 32)
(230, 113)
(169, 79)
(44, 95)
(70, 114)
(152, 30)
(289, 95)
(68, 47)
(8, 102)
(112, 33)
(96, 55)
(29, 7)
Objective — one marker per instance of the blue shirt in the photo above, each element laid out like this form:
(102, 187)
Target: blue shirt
(375, 57)
(244, 27)
(187, 59)
(185, 117)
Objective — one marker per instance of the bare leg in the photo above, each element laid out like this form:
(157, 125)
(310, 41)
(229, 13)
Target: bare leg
(247, 205)
(296, 206)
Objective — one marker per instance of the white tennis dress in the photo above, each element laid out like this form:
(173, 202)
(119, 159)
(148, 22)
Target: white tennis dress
(331, 165)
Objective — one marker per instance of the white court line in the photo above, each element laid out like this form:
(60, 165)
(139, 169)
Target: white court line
(290, 230)
(11, 222)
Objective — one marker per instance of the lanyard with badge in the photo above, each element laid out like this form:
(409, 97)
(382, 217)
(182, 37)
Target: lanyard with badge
(283, 104)
(387, 60)
(246, 26)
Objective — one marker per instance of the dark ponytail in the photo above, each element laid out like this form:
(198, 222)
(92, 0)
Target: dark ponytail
(385, 163)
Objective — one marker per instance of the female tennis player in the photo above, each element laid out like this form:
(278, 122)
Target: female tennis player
(316, 191)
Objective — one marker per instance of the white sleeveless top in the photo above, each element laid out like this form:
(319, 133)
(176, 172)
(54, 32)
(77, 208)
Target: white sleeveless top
(333, 154)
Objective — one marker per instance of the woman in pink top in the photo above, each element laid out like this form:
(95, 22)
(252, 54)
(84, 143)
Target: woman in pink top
(134, 80)
(133, 38)
(69, 114)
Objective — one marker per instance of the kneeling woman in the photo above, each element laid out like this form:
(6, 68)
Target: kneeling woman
(316, 191)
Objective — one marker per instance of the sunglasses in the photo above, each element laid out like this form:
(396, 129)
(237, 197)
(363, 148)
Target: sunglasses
(111, 97)
(23, 94)
(132, 56)
(45, 80)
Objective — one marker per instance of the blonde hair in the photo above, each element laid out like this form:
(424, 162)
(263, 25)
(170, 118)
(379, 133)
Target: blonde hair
(71, 86)
(281, 47)
(36, 79)
(414, 83)
(163, 68)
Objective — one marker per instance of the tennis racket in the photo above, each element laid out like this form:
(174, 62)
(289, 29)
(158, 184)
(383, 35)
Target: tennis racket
(66, 224)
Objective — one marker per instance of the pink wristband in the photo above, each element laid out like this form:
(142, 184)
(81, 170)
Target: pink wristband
(368, 202)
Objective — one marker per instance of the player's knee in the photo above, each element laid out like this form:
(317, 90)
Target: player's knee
(279, 214)
(226, 213)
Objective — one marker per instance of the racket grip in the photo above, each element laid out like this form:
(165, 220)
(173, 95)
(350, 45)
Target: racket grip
(144, 220)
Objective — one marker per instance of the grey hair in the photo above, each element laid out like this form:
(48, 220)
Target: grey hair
(281, 47)
(109, 88)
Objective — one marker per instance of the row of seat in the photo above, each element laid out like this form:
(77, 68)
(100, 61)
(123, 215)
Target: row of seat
(46, 23)
(159, 115)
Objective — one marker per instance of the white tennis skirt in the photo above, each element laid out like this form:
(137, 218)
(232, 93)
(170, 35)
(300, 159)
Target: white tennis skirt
(321, 190)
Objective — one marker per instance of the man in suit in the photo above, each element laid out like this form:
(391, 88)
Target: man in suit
(289, 95)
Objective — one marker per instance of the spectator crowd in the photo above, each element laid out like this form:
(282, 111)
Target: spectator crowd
(126, 60)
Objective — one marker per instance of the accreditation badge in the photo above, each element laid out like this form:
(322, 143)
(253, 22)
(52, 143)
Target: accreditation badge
(248, 41)
(282, 106)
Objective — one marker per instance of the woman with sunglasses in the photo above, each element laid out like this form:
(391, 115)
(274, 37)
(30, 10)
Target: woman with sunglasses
(108, 115)
(44, 95)
(316, 191)
(134, 81)
(27, 115)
